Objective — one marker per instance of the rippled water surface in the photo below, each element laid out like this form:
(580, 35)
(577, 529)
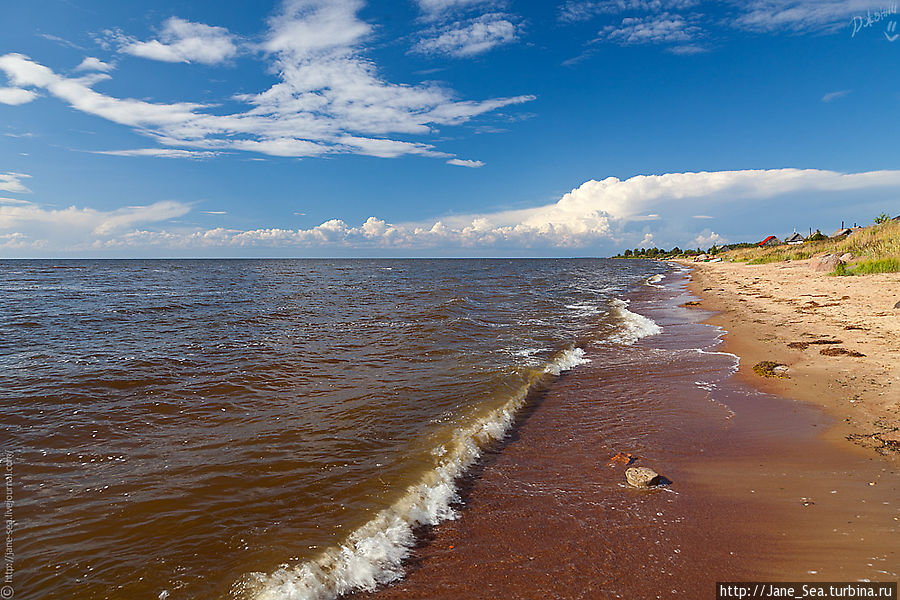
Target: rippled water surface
(268, 428)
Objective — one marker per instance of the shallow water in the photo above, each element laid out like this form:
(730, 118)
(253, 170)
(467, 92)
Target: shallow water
(269, 428)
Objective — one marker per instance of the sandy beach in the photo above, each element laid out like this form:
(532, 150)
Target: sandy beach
(783, 312)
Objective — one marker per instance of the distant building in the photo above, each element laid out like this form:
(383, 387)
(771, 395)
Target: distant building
(840, 232)
(793, 239)
(770, 241)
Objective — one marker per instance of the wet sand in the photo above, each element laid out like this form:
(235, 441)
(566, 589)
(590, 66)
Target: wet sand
(757, 492)
(773, 310)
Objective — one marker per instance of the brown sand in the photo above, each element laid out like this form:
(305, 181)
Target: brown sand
(769, 308)
(758, 493)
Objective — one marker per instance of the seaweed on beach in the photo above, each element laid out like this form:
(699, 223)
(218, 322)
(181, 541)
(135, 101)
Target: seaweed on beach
(840, 352)
(767, 368)
(805, 345)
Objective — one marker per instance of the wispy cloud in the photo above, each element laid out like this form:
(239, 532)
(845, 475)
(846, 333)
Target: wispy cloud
(160, 152)
(12, 182)
(832, 96)
(330, 98)
(799, 16)
(472, 164)
(180, 41)
(585, 10)
(435, 9)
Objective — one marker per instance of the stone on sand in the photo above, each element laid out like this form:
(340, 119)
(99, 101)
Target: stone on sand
(824, 263)
(641, 476)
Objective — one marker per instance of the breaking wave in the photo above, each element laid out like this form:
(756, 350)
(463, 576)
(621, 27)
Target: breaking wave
(373, 554)
(632, 326)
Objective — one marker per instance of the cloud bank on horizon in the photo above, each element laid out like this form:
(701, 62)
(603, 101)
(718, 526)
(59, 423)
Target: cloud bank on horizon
(592, 215)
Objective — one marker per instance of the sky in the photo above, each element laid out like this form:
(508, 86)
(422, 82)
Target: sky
(331, 128)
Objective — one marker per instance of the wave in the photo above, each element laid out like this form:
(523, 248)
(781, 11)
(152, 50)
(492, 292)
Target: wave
(655, 279)
(373, 554)
(632, 326)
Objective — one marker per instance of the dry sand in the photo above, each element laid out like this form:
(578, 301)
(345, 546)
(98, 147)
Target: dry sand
(767, 307)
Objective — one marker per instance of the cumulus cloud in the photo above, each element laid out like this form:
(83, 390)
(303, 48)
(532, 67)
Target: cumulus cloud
(656, 29)
(467, 39)
(596, 212)
(12, 182)
(329, 98)
(708, 238)
(16, 96)
(93, 64)
(181, 41)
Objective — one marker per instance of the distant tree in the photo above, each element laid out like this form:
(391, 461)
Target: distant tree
(818, 235)
(714, 250)
(643, 252)
(628, 253)
(882, 218)
(675, 250)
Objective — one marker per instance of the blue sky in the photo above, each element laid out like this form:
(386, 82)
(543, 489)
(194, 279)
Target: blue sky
(440, 127)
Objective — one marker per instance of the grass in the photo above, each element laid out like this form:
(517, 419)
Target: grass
(877, 246)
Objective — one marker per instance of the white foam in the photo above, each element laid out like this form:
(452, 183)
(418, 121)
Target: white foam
(655, 279)
(373, 554)
(632, 325)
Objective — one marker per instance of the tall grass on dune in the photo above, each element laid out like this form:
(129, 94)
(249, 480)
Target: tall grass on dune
(878, 246)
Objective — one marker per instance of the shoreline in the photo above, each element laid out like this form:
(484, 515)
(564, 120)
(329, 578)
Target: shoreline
(764, 308)
(756, 493)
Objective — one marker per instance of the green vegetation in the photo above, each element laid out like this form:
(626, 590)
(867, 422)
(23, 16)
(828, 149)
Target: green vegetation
(868, 267)
(882, 218)
(870, 245)
(818, 236)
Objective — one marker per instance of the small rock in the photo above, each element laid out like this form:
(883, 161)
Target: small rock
(641, 476)
(780, 370)
(846, 257)
(897, 305)
(825, 263)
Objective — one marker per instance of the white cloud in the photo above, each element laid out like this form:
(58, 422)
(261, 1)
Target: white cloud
(800, 16)
(16, 96)
(472, 164)
(12, 182)
(94, 64)
(708, 238)
(832, 96)
(74, 227)
(585, 10)
(470, 38)
(656, 29)
(596, 212)
(13, 201)
(437, 8)
(702, 217)
(159, 152)
(181, 41)
(329, 98)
